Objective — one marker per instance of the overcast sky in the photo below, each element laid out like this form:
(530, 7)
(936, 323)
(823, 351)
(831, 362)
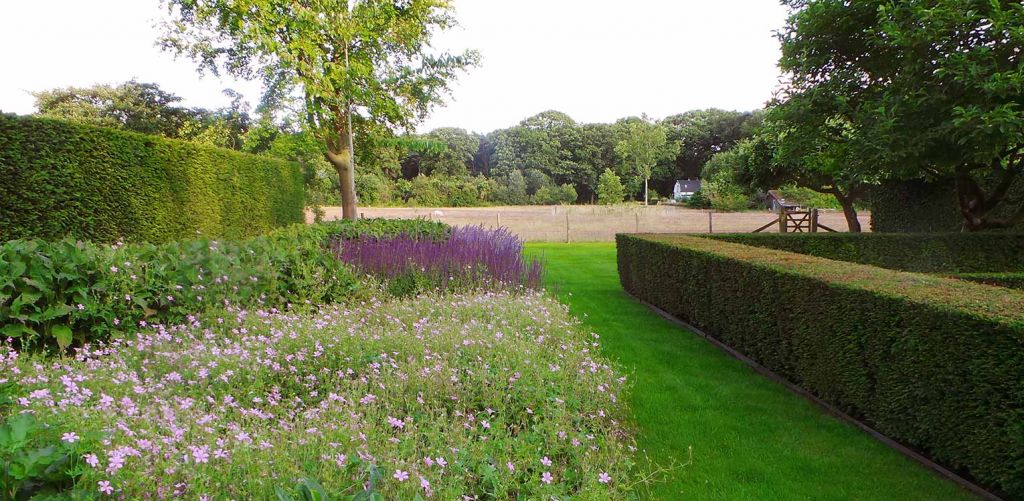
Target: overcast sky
(597, 60)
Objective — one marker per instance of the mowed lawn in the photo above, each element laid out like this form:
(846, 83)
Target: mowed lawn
(750, 438)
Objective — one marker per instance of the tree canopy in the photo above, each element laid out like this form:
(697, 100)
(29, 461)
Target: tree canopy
(920, 89)
(369, 59)
(643, 144)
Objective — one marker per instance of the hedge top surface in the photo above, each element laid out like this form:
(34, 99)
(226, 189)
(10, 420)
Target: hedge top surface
(921, 252)
(1002, 305)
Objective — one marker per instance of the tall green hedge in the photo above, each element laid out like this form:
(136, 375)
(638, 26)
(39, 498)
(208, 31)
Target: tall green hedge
(916, 206)
(65, 179)
(920, 252)
(935, 363)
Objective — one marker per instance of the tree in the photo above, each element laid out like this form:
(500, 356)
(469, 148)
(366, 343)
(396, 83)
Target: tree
(455, 159)
(643, 146)
(134, 106)
(701, 134)
(915, 89)
(609, 188)
(365, 59)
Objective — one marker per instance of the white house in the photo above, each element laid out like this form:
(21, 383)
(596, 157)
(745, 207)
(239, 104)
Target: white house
(685, 188)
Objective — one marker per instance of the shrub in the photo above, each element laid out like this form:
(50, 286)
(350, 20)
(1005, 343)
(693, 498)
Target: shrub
(65, 179)
(511, 190)
(471, 258)
(67, 292)
(699, 200)
(930, 253)
(371, 189)
(933, 362)
(610, 190)
(555, 195)
(724, 194)
(490, 396)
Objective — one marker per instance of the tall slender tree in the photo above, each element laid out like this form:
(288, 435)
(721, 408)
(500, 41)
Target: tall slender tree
(369, 59)
(645, 144)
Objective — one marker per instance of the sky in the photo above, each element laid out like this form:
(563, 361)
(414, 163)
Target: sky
(596, 60)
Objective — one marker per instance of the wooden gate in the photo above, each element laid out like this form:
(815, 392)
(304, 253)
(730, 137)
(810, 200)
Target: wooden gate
(797, 221)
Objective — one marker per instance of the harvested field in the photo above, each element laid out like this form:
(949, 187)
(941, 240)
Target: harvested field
(592, 223)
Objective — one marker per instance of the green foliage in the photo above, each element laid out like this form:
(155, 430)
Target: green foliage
(610, 190)
(511, 190)
(932, 362)
(1008, 280)
(35, 463)
(515, 358)
(643, 145)
(455, 159)
(63, 179)
(807, 197)
(674, 368)
(373, 190)
(699, 200)
(364, 61)
(916, 206)
(920, 89)
(926, 253)
(724, 193)
(701, 135)
(148, 109)
(555, 195)
(55, 294)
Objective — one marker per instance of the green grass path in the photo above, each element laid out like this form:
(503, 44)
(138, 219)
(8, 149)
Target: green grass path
(751, 438)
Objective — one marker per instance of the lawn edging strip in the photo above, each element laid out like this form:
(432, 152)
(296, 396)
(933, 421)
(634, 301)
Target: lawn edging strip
(935, 363)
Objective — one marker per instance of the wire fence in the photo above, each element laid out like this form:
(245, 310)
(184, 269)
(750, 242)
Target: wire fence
(594, 223)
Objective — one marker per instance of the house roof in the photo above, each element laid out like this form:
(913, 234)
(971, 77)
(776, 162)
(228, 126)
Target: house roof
(688, 184)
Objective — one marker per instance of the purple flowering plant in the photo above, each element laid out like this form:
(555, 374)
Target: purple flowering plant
(489, 395)
(472, 257)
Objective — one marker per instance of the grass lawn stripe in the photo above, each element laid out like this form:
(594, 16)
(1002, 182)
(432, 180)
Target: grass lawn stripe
(751, 438)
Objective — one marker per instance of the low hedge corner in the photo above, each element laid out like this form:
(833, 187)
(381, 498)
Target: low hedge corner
(933, 362)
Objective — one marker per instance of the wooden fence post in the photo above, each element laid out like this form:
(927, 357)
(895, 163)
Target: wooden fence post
(782, 220)
(566, 226)
(711, 228)
(637, 214)
(814, 220)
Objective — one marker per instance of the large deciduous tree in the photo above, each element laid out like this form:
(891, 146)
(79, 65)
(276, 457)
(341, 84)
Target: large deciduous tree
(135, 106)
(643, 145)
(930, 89)
(366, 59)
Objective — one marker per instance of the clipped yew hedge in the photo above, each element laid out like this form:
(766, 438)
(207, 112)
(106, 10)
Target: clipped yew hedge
(64, 179)
(933, 362)
(920, 252)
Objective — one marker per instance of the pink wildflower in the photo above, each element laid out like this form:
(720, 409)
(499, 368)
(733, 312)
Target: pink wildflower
(401, 476)
(604, 478)
(105, 487)
(546, 477)
(70, 438)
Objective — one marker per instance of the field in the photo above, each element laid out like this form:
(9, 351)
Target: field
(750, 438)
(592, 223)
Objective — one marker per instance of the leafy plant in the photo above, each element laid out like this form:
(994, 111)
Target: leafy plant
(34, 462)
(56, 294)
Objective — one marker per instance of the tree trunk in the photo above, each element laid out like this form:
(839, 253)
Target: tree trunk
(339, 153)
(850, 213)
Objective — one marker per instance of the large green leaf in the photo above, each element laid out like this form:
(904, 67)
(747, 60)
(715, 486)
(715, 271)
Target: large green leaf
(63, 335)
